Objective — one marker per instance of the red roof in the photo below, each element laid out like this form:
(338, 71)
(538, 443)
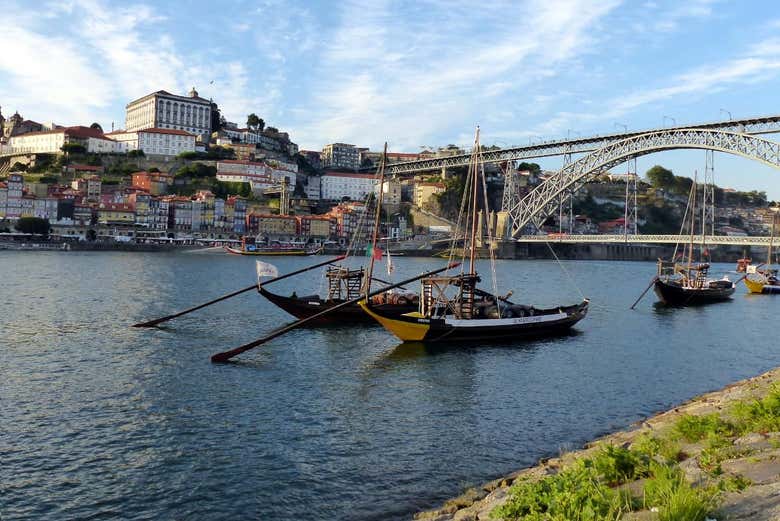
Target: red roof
(88, 168)
(172, 131)
(345, 174)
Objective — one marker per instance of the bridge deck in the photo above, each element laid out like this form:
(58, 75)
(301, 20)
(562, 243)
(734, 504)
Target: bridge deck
(712, 240)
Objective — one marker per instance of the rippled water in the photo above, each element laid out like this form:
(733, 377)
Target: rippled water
(100, 420)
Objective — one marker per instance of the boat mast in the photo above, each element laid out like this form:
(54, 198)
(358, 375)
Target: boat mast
(693, 221)
(771, 241)
(377, 218)
(474, 157)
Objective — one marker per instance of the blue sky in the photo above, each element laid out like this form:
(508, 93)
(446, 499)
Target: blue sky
(414, 73)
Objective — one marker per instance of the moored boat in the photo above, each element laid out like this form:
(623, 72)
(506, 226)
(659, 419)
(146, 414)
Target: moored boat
(764, 280)
(250, 247)
(343, 284)
(687, 283)
(452, 308)
(679, 285)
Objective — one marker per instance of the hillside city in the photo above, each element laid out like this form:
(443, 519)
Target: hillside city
(180, 172)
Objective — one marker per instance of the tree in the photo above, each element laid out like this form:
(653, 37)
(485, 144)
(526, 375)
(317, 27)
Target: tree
(154, 169)
(272, 130)
(136, 153)
(660, 177)
(18, 167)
(255, 123)
(534, 168)
(33, 225)
(73, 148)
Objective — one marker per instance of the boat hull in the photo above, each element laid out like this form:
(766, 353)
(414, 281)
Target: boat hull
(677, 295)
(761, 287)
(413, 327)
(272, 252)
(307, 306)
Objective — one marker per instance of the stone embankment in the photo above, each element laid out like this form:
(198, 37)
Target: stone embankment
(734, 462)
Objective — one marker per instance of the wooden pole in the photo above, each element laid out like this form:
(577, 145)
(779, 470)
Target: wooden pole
(377, 218)
(227, 355)
(156, 321)
(643, 293)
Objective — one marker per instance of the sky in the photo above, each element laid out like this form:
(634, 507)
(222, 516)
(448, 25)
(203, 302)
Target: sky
(413, 73)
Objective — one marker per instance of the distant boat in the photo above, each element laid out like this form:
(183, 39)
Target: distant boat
(250, 247)
(764, 280)
(687, 283)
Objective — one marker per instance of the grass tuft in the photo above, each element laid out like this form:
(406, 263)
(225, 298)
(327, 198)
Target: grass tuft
(694, 428)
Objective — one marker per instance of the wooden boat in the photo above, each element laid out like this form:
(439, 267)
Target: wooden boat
(679, 285)
(346, 284)
(343, 285)
(250, 247)
(764, 280)
(451, 308)
(687, 283)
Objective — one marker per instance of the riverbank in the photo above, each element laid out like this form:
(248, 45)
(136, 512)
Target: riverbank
(716, 456)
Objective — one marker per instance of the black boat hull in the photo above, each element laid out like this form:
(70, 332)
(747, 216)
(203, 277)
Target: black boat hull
(676, 295)
(305, 307)
(545, 322)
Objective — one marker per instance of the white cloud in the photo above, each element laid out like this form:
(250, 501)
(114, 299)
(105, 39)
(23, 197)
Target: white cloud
(386, 77)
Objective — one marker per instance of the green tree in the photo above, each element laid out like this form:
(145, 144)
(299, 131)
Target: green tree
(154, 169)
(136, 153)
(534, 168)
(33, 225)
(255, 123)
(18, 167)
(660, 177)
(73, 148)
(682, 185)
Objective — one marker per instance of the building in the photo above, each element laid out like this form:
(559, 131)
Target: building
(348, 218)
(318, 226)
(313, 187)
(155, 141)
(16, 125)
(156, 183)
(15, 187)
(260, 175)
(424, 191)
(91, 186)
(52, 141)
(271, 225)
(335, 186)
(116, 213)
(162, 109)
(340, 155)
(391, 191)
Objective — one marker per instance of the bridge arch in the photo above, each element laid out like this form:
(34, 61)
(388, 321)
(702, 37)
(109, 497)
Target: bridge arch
(542, 201)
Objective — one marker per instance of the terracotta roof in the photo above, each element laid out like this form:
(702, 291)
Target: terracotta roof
(77, 131)
(345, 174)
(166, 131)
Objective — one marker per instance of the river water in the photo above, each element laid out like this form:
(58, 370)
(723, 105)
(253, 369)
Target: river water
(104, 421)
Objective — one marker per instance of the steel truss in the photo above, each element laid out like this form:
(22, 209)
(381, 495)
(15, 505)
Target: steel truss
(542, 200)
(758, 125)
(724, 240)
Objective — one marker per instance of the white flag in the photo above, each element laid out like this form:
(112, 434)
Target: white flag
(265, 269)
(390, 268)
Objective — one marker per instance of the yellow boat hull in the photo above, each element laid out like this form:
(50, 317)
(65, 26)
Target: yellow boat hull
(406, 331)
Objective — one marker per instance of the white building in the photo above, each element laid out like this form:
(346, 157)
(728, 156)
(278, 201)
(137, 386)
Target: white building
(14, 185)
(391, 191)
(337, 185)
(156, 141)
(340, 155)
(51, 141)
(162, 109)
(259, 175)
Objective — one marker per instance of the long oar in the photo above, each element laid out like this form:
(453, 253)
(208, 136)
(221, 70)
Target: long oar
(227, 355)
(385, 282)
(233, 294)
(643, 293)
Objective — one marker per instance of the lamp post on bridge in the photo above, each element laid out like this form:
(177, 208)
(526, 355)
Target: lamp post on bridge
(727, 112)
(674, 121)
(625, 127)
